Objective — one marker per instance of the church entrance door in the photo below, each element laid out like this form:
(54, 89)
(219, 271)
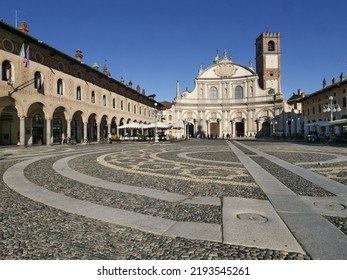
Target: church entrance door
(214, 130)
(240, 129)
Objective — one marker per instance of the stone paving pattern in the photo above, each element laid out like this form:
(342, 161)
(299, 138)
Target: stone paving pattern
(31, 230)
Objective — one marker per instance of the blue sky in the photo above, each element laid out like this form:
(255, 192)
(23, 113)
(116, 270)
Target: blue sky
(154, 43)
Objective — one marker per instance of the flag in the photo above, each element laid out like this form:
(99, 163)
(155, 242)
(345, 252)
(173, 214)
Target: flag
(22, 53)
(27, 54)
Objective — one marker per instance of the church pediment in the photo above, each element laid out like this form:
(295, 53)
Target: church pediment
(225, 70)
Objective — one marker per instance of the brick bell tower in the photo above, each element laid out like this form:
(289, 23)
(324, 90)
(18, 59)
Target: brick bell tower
(268, 61)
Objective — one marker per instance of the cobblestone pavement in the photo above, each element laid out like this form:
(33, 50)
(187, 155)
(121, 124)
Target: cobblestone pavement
(32, 230)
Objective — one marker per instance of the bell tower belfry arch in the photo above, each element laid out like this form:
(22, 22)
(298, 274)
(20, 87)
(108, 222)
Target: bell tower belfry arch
(268, 60)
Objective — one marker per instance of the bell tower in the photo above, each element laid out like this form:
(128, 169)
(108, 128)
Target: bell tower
(268, 60)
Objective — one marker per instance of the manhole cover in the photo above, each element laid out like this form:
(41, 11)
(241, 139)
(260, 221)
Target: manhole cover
(329, 205)
(252, 217)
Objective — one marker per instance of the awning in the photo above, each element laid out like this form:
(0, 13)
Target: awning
(132, 125)
(339, 122)
(160, 125)
(317, 124)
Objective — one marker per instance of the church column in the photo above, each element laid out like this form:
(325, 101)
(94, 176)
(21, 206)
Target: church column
(234, 128)
(249, 121)
(48, 131)
(30, 128)
(21, 131)
(231, 128)
(207, 132)
(98, 131)
(224, 123)
(85, 129)
(245, 124)
(68, 128)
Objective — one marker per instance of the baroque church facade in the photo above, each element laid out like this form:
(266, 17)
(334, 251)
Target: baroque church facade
(233, 100)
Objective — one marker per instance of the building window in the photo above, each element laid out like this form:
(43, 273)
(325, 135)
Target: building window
(238, 92)
(78, 93)
(6, 71)
(114, 103)
(344, 102)
(92, 97)
(271, 46)
(319, 108)
(313, 110)
(134, 109)
(60, 87)
(213, 93)
(37, 80)
(122, 105)
(104, 100)
(129, 107)
(140, 110)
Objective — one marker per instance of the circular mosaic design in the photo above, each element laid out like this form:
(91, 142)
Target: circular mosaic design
(252, 217)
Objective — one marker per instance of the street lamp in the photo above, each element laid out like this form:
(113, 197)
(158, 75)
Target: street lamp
(331, 108)
(156, 113)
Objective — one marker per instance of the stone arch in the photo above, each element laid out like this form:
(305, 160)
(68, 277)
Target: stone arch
(114, 126)
(7, 71)
(78, 124)
(59, 124)
(122, 122)
(190, 122)
(104, 128)
(92, 131)
(238, 119)
(37, 124)
(264, 114)
(263, 119)
(9, 121)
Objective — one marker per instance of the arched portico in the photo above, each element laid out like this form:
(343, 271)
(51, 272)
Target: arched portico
(114, 127)
(38, 128)
(10, 133)
(104, 127)
(92, 131)
(59, 125)
(78, 127)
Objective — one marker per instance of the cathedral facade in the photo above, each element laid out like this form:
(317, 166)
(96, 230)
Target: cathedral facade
(233, 100)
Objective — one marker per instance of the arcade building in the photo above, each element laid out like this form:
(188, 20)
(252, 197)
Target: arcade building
(46, 95)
